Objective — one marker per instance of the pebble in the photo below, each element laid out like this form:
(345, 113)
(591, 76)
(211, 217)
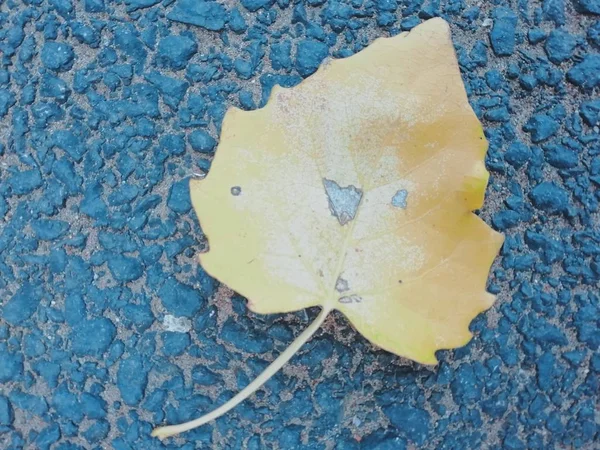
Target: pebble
(132, 379)
(549, 197)
(58, 56)
(413, 423)
(206, 14)
(6, 411)
(309, 55)
(125, 268)
(179, 299)
(202, 142)
(503, 34)
(174, 51)
(92, 337)
(586, 74)
(22, 305)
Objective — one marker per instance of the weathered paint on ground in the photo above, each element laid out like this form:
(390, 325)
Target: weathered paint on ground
(108, 108)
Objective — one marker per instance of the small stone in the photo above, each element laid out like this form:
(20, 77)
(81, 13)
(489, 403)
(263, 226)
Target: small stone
(134, 5)
(151, 254)
(548, 371)
(309, 55)
(244, 340)
(140, 316)
(536, 35)
(132, 379)
(341, 285)
(93, 406)
(49, 371)
(560, 46)
(237, 23)
(549, 197)
(280, 55)
(528, 82)
(412, 422)
(174, 52)
(593, 33)
(125, 194)
(174, 343)
(243, 68)
(590, 112)
(94, 6)
(92, 337)
(587, 6)
(7, 100)
(74, 309)
(172, 89)
(548, 335)
(47, 436)
(466, 388)
(503, 33)
(560, 156)
(22, 305)
(64, 171)
(57, 56)
(6, 411)
(496, 405)
(205, 14)
(66, 403)
(409, 23)
(25, 182)
(92, 203)
(86, 34)
(179, 197)
(504, 220)
(48, 229)
(554, 10)
(202, 142)
(255, 5)
(517, 154)
(173, 143)
(478, 54)
(204, 376)
(541, 127)
(586, 74)
(96, 432)
(34, 404)
(575, 357)
(512, 442)
(70, 143)
(125, 268)
(54, 87)
(33, 346)
(180, 299)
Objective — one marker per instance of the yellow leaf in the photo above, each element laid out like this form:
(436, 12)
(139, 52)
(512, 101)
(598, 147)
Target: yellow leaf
(354, 191)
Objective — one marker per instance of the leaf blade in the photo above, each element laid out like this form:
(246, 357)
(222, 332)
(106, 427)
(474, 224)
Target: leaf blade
(391, 129)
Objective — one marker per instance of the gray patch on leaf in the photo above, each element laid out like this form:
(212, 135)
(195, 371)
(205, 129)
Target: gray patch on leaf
(343, 201)
(350, 299)
(399, 199)
(341, 285)
(236, 190)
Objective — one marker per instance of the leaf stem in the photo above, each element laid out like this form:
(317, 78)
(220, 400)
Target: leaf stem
(171, 430)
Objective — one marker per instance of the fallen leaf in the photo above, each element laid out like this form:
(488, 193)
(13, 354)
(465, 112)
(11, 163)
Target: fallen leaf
(354, 191)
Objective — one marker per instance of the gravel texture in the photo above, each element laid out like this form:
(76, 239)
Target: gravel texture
(109, 327)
